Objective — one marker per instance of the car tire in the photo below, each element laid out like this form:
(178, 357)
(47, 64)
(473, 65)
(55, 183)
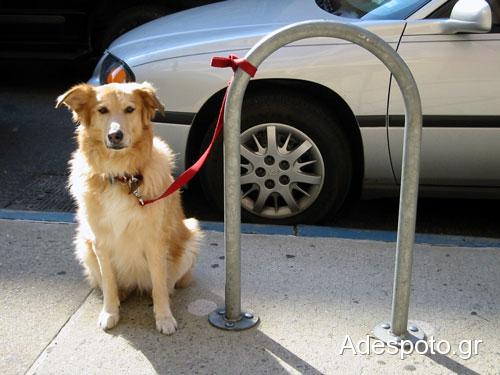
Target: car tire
(127, 20)
(301, 187)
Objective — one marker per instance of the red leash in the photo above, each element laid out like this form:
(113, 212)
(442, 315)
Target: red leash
(234, 62)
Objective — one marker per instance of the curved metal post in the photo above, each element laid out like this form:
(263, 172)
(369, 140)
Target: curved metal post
(410, 170)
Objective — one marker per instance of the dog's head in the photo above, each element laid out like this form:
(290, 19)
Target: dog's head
(116, 114)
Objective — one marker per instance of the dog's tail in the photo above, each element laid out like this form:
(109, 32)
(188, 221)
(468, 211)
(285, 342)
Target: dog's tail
(194, 227)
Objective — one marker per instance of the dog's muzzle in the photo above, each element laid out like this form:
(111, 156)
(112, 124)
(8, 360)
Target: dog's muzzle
(115, 140)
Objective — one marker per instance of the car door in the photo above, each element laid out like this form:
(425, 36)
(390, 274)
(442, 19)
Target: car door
(458, 77)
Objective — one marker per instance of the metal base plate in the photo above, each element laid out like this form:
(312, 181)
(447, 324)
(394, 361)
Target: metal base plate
(413, 334)
(218, 319)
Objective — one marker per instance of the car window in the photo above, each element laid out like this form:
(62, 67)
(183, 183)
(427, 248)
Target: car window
(445, 11)
(372, 9)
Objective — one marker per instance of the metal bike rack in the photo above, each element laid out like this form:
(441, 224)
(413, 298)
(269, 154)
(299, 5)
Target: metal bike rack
(231, 317)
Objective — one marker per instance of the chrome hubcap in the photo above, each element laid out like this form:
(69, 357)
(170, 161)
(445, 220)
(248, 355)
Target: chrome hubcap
(282, 170)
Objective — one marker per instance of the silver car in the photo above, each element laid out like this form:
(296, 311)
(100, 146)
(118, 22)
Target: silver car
(322, 120)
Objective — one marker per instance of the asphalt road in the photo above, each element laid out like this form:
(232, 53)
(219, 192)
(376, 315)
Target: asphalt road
(36, 141)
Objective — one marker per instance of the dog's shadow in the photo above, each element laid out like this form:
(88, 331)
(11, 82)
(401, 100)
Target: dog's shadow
(197, 347)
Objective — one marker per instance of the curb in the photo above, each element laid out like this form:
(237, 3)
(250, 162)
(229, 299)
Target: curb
(296, 230)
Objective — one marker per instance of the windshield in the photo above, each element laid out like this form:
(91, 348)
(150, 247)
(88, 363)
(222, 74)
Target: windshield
(372, 9)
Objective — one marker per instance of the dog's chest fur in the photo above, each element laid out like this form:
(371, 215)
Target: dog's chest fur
(121, 225)
(119, 211)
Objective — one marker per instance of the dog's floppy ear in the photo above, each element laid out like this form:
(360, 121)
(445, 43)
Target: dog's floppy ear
(77, 99)
(150, 101)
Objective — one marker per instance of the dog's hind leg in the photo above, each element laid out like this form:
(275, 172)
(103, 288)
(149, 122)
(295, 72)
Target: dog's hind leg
(86, 255)
(124, 293)
(185, 280)
(183, 274)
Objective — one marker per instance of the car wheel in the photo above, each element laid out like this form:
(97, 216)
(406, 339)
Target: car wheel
(296, 162)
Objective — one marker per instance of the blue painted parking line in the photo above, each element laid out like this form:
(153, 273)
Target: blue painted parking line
(251, 228)
(461, 241)
(52, 217)
(213, 226)
(267, 229)
(299, 230)
(389, 236)
(357, 234)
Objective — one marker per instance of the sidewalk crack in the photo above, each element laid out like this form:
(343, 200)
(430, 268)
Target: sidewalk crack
(39, 359)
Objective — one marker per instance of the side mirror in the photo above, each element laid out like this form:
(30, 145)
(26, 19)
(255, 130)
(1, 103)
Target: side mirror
(467, 16)
(470, 16)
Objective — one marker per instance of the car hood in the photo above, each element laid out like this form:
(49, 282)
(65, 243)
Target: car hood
(220, 27)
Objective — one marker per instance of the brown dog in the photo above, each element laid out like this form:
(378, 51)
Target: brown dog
(122, 245)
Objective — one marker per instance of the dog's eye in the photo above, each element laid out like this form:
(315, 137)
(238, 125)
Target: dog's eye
(129, 109)
(103, 110)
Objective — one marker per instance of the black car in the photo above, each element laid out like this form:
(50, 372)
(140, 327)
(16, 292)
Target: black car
(68, 30)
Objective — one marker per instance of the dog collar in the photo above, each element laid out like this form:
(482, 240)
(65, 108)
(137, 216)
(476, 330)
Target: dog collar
(132, 181)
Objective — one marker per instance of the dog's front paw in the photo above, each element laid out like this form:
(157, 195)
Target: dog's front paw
(166, 325)
(108, 320)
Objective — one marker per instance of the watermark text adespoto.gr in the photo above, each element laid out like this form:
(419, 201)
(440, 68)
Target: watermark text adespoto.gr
(369, 345)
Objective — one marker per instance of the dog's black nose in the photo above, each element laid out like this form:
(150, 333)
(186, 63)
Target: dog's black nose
(115, 137)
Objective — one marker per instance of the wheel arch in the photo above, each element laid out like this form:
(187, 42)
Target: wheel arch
(329, 98)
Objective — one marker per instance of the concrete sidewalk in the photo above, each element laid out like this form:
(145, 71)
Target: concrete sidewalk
(310, 293)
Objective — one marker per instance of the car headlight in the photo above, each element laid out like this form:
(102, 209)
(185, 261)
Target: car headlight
(115, 70)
